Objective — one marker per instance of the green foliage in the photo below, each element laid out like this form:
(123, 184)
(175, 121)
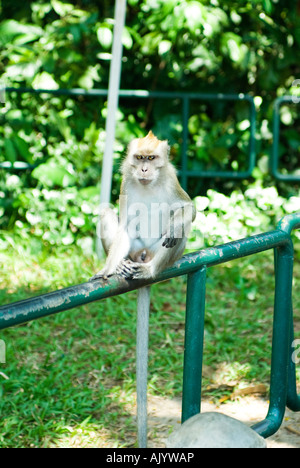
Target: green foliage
(49, 396)
(200, 46)
(223, 218)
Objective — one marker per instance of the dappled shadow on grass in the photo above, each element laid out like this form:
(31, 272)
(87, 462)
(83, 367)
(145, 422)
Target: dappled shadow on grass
(64, 378)
(69, 379)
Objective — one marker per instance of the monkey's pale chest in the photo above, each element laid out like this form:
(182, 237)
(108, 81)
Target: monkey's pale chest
(147, 218)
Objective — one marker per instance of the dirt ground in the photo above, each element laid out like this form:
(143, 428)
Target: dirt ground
(164, 417)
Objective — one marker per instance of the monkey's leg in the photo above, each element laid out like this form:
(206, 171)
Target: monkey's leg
(109, 224)
(115, 241)
(163, 258)
(166, 257)
(164, 251)
(170, 248)
(118, 251)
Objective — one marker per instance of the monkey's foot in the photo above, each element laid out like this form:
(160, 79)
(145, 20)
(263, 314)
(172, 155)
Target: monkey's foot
(141, 271)
(100, 275)
(128, 269)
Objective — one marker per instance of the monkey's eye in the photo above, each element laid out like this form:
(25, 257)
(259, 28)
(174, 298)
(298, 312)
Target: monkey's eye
(139, 157)
(150, 158)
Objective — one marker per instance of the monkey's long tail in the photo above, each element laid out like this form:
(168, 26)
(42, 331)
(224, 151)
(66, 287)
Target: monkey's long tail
(143, 307)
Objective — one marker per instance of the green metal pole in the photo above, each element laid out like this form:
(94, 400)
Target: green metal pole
(194, 338)
(142, 346)
(65, 299)
(284, 260)
(275, 149)
(186, 98)
(275, 159)
(293, 399)
(288, 224)
(185, 144)
(252, 141)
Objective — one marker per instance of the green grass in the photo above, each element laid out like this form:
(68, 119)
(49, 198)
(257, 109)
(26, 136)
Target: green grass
(69, 379)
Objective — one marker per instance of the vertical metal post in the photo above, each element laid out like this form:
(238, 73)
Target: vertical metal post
(194, 339)
(185, 122)
(275, 156)
(281, 340)
(113, 99)
(274, 161)
(293, 399)
(142, 340)
(252, 142)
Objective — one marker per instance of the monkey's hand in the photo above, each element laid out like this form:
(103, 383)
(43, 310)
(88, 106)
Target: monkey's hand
(169, 242)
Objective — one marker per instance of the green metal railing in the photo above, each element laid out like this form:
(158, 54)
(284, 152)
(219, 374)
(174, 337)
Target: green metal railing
(283, 390)
(186, 99)
(276, 140)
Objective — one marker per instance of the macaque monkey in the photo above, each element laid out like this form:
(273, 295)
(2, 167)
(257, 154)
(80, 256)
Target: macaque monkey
(155, 214)
(149, 236)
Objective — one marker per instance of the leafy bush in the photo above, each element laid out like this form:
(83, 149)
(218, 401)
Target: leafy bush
(223, 218)
(199, 46)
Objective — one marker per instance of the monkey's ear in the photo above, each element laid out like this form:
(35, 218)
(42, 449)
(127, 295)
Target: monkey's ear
(132, 146)
(165, 148)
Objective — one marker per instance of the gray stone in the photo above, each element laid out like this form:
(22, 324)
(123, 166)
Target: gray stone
(214, 430)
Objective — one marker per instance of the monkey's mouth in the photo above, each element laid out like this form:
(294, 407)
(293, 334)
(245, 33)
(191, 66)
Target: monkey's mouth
(145, 181)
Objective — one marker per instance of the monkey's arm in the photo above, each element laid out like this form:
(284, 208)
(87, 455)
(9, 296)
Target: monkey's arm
(179, 225)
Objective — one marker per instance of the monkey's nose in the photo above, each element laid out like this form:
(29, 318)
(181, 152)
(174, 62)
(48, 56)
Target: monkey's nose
(144, 169)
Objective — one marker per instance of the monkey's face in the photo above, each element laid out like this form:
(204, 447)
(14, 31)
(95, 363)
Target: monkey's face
(146, 169)
(147, 156)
